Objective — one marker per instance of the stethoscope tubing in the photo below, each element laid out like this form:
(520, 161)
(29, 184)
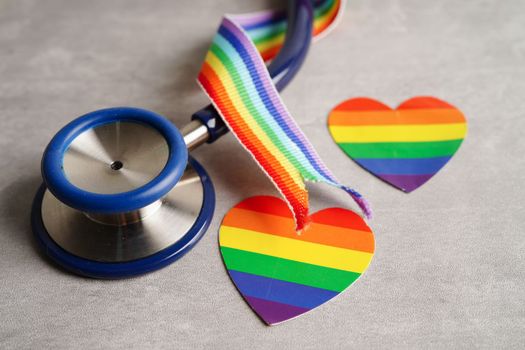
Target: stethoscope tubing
(283, 67)
(206, 126)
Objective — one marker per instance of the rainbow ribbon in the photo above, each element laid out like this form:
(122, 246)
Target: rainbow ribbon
(236, 80)
(267, 29)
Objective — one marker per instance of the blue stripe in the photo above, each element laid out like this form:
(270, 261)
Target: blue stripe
(258, 33)
(232, 39)
(268, 125)
(280, 291)
(278, 17)
(413, 166)
(319, 5)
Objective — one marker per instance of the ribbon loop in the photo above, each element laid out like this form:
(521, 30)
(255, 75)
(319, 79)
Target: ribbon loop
(237, 82)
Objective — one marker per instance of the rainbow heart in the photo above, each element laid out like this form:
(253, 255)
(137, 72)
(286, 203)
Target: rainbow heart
(281, 274)
(404, 147)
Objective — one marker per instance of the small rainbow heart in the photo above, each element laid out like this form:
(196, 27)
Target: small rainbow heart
(281, 274)
(404, 147)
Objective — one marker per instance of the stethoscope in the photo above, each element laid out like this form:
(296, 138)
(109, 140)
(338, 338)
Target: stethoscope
(121, 196)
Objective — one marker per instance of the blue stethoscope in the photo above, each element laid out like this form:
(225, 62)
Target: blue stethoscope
(121, 196)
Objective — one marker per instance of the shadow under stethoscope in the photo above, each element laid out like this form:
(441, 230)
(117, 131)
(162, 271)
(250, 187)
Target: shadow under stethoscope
(17, 201)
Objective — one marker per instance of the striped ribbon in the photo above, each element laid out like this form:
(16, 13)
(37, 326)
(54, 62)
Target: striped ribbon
(236, 80)
(267, 29)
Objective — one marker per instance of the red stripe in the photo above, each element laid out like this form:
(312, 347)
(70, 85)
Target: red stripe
(295, 195)
(424, 102)
(342, 218)
(265, 205)
(362, 104)
(328, 22)
(271, 52)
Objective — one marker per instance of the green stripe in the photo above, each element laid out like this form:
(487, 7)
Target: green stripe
(268, 33)
(322, 9)
(401, 149)
(287, 270)
(262, 35)
(286, 150)
(269, 36)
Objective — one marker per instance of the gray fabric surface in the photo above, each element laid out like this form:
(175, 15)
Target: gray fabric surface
(449, 269)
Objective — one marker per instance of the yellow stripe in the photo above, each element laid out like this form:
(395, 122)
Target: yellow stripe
(398, 133)
(320, 21)
(292, 249)
(268, 44)
(233, 95)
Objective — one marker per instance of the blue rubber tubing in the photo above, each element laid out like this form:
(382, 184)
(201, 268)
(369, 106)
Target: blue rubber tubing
(57, 182)
(109, 270)
(286, 64)
(282, 68)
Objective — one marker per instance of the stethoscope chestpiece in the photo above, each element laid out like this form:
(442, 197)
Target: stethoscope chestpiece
(120, 196)
(114, 160)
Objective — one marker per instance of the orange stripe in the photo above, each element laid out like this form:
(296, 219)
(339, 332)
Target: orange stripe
(296, 195)
(331, 17)
(271, 52)
(319, 233)
(399, 117)
(242, 130)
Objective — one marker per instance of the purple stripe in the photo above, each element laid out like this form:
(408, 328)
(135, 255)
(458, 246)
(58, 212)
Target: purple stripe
(288, 125)
(261, 70)
(272, 312)
(407, 183)
(259, 19)
(274, 105)
(299, 139)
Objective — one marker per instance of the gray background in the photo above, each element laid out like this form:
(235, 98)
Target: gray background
(449, 267)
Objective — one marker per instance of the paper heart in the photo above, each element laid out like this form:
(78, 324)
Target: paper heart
(404, 147)
(282, 274)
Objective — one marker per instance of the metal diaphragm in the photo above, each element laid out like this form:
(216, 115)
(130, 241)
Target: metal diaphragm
(79, 234)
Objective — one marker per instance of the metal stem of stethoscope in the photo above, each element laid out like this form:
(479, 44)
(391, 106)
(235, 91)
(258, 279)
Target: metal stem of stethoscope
(282, 69)
(195, 134)
(119, 198)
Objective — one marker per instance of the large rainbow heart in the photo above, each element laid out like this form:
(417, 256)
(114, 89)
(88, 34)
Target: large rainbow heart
(404, 147)
(282, 274)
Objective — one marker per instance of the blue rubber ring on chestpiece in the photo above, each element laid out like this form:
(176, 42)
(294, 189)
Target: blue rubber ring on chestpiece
(57, 182)
(112, 270)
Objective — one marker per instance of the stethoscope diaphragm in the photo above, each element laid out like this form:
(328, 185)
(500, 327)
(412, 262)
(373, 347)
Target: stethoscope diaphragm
(120, 196)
